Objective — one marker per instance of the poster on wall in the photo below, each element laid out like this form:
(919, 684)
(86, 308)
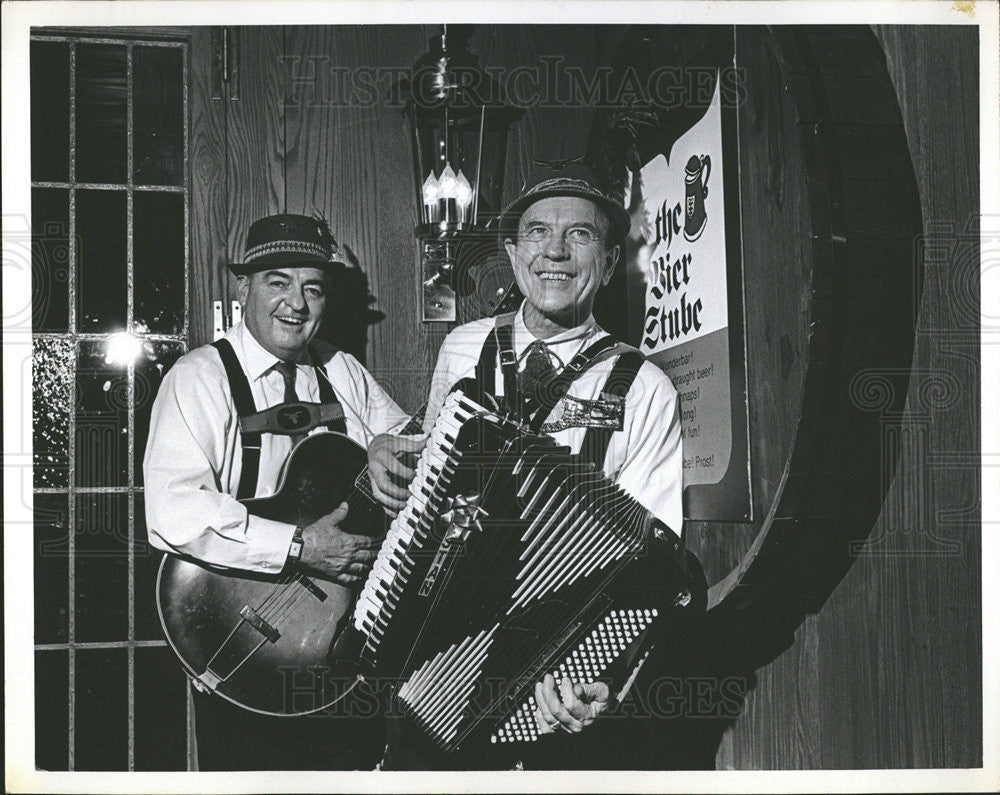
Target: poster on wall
(686, 308)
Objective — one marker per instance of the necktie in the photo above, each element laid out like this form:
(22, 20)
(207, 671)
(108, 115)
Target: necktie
(287, 370)
(537, 372)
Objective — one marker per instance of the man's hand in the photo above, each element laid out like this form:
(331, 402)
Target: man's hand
(389, 474)
(571, 707)
(335, 555)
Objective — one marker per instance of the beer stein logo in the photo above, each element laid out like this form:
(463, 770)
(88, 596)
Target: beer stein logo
(695, 191)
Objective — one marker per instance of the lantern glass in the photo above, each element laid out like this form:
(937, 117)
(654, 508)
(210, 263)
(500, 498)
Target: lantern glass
(459, 125)
(470, 150)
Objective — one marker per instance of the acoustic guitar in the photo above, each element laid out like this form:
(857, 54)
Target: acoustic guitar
(261, 641)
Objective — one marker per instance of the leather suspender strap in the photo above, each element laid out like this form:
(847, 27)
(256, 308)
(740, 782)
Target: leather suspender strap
(619, 382)
(239, 385)
(485, 375)
(327, 396)
(559, 386)
(504, 331)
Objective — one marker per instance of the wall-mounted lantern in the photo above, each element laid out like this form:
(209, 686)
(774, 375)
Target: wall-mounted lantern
(458, 123)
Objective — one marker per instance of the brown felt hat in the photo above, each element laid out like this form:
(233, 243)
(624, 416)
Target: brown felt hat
(288, 241)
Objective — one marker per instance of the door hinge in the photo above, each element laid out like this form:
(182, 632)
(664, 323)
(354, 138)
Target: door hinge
(222, 321)
(225, 63)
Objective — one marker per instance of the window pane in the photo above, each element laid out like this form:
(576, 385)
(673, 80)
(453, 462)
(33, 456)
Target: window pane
(160, 711)
(102, 287)
(101, 718)
(52, 710)
(49, 111)
(158, 257)
(49, 259)
(52, 382)
(158, 116)
(101, 418)
(51, 518)
(147, 566)
(101, 564)
(101, 87)
(149, 371)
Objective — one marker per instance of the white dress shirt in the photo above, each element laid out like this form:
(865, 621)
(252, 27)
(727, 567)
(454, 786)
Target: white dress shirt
(644, 457)
(194, 456)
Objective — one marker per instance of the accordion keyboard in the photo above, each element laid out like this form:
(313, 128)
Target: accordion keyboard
(380, 595)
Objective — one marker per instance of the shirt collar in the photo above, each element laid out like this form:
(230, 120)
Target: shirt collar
(577, 336)
(256, 358)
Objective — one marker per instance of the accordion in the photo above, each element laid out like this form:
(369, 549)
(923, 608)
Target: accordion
(511, 559)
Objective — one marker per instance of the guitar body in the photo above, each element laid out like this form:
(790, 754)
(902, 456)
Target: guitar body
(262, 641)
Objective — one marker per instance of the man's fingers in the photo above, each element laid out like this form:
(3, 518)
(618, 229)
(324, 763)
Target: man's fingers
(576, 708)
(411, 444)
(339, 513)
(399, 469)
(596, 693)
(556, 706)
(548, 722)
(394, 503)
(364, 556)
(380, 478)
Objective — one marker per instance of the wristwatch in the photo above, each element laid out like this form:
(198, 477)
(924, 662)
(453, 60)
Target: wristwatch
(295, 548)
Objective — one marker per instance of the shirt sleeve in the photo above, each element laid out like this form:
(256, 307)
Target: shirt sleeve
(440, 384)
(456, 360)
(379, 412)
(187, 510)
(652, 467)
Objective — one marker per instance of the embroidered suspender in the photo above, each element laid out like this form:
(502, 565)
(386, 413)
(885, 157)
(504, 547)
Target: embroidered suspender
(499, 343)
(556, 389)
(253, 423)
(620, 379)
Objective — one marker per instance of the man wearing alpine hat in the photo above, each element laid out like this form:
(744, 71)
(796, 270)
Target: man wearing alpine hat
(563, 235)
(198, 465)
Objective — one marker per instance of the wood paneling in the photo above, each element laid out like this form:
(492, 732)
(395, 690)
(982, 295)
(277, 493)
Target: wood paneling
(777, 262)
(348, 157)
(895, 680)
(209, 190)
(255, 128)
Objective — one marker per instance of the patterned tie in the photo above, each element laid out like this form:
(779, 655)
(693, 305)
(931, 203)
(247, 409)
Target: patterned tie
(287, 370)
(537, 372)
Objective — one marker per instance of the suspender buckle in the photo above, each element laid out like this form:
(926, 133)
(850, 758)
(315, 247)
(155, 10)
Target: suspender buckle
(507, 358)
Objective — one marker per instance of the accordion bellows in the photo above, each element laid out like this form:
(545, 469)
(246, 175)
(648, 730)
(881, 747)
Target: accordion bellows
(511, 559)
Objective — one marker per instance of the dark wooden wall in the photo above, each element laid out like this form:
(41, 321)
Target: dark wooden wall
(888, 673)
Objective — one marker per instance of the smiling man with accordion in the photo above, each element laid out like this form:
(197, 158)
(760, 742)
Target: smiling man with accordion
(536, 561)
